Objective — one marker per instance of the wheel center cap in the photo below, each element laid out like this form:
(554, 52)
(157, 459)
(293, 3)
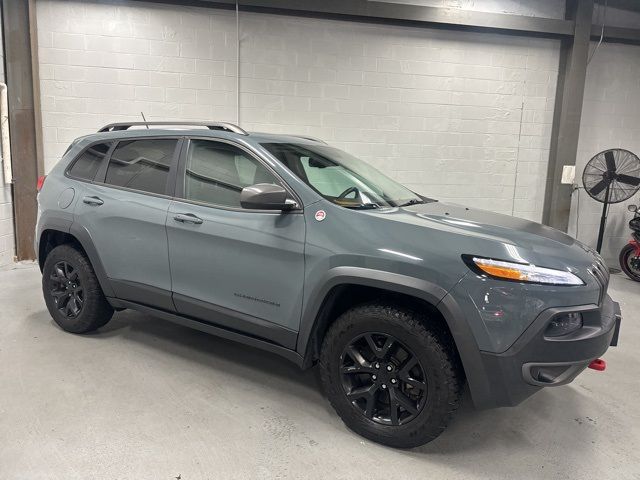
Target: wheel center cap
(384, 374)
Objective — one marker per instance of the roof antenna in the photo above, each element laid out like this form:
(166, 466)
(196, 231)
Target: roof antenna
(145, 120)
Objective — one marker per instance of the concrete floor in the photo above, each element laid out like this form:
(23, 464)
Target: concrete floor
(146, 399)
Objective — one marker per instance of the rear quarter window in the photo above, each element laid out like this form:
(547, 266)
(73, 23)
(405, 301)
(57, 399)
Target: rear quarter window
(86, 165)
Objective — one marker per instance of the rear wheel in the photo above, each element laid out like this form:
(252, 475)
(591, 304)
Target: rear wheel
(72, 292)
(390, 376)
(630, 262)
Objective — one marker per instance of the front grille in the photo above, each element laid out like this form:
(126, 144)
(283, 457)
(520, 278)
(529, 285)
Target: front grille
(601, 273)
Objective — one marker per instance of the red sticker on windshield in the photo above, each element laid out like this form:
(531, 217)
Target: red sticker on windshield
(320, 215)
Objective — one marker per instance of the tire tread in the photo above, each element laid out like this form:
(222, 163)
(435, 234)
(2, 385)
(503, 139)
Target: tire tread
(96, 311)
(433, 336)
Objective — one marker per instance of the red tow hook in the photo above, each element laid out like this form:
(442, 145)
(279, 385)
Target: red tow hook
(598, 364)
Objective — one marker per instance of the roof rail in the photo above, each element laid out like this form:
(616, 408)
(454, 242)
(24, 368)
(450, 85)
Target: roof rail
(225, 126)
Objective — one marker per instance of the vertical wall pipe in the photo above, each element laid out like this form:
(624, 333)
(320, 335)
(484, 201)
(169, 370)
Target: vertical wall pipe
(7, 174)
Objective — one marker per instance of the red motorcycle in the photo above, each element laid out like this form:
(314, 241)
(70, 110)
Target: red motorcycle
(630, 253)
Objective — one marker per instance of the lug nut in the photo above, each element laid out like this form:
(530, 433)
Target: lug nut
(384, 386)
(375, 377)
(377, 365)
(389, 368)
(393, 380)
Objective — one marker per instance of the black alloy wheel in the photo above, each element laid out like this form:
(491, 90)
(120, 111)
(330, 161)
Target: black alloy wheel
(66, 289)
(72, 292)
(391, 373)
(383, 379)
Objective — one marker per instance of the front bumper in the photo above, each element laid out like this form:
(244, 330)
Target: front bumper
(535, 361)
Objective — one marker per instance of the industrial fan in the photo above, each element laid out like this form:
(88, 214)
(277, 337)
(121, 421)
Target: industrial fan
(611, 176)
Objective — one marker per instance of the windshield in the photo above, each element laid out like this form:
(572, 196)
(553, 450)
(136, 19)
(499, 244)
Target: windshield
(342, 178)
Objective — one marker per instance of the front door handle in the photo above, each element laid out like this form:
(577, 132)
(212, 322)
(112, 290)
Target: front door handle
(93, 201)
(187, 218)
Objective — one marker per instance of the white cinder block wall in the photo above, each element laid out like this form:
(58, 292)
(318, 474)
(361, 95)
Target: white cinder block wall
(610, 119)
(459, 116)
(7, 239)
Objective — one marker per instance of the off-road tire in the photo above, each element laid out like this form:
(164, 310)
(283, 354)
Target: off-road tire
(428, 341)
(95, 311)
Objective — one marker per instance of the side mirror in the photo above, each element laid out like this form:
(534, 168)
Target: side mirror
(265, 196)
(632, 208)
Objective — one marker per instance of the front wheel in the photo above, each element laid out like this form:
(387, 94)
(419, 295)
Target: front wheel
(390, 374)
(630, 262)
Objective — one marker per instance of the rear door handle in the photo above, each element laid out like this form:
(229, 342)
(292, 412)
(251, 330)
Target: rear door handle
(93, 201)
(187, 218)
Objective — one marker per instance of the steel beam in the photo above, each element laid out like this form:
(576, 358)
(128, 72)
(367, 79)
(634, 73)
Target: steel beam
(398, 14)
(24, 116)
(568, 110)
(616, 34)
(633, 5)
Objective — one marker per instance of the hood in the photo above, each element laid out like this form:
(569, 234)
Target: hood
(484, 233)
(483, 222)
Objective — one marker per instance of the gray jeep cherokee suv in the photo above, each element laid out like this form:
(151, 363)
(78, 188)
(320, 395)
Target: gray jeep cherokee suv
(290, 245)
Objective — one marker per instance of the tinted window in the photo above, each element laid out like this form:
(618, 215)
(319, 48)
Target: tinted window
(217, 172)
(88, 163)
(141, 164)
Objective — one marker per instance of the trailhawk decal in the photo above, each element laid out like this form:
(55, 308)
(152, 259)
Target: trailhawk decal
(255, 299)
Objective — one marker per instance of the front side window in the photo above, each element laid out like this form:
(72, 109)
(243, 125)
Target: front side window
(340, 177)
(141, 164)
(217, 172)
(87, 164)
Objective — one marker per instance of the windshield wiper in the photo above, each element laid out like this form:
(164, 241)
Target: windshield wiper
(363, 206)
(413, 201)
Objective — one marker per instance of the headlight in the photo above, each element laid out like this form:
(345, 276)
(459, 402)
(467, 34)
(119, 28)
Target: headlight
(520, 272)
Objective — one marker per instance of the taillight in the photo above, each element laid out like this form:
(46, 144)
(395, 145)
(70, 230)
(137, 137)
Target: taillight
(40, 182)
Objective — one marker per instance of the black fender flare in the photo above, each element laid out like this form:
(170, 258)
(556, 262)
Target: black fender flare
(83, 237)
(434, 294)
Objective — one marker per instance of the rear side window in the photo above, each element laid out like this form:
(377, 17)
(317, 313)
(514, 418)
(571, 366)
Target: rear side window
(141, 164)
(87, 164)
